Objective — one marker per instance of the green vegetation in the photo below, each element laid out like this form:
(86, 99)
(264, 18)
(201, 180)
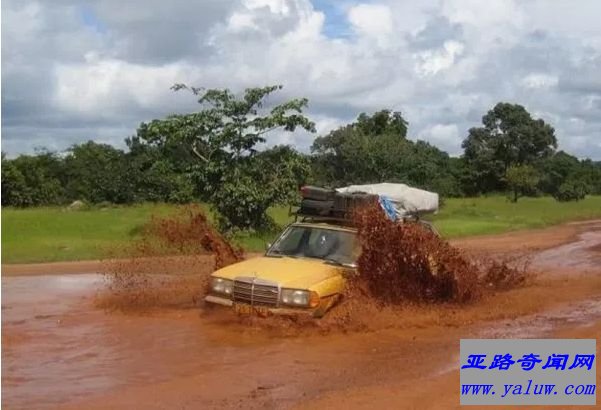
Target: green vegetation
(55, 234)
(495, 214)
(221, 155)
(51, 234)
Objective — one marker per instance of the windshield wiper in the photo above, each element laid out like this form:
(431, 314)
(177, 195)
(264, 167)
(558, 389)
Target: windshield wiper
(274, 253)
(338, 263)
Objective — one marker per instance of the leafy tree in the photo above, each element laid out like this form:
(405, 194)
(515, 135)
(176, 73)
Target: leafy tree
(157, 174)
(375, 149)
(521, 180)
(361, 151)
(271, 177)
(590, 174)
(556, 170)
(14, 188)
(98, 173)
(160, 182)
(509, 136)
(224, 137)
(430, 168)
(382, 122)
(40, 175)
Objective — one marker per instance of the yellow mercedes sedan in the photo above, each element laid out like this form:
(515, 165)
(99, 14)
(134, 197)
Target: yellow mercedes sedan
(301, 273)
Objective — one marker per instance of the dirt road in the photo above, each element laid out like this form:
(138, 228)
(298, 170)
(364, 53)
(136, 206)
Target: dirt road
(59, 351)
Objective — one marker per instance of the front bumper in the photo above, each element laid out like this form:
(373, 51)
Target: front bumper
(217, 300)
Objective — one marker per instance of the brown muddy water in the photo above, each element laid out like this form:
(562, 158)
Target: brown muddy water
(60, 351)
(582, 254)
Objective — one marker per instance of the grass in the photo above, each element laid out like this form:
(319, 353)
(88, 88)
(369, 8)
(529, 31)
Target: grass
(488, 215)
(55, 234)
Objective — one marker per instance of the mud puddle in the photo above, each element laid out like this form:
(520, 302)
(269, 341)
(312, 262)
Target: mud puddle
(577, 314)
(58, 349)
(583, 254)
(42, 356)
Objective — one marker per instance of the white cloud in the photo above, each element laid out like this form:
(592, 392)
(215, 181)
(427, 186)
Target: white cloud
(483, 13)
(443, 63)
(539, 80)
(107, 87)
(237, 22)
(431, 62)
(371, 20)
(445, 136)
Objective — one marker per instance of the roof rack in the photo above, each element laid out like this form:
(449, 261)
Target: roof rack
(327, 205)
(304, 217)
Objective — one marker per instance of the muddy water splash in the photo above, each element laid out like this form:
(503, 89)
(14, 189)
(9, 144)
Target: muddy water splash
(401, 262)
(169, 265)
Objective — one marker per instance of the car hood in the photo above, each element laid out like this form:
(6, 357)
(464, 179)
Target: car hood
(299, 273)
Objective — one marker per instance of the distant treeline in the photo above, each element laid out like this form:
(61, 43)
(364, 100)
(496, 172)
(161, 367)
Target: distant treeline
(211, 156)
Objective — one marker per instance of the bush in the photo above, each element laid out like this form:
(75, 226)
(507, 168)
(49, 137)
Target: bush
(570, 191)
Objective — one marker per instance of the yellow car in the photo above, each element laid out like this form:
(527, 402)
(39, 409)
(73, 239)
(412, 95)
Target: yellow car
(301, 273)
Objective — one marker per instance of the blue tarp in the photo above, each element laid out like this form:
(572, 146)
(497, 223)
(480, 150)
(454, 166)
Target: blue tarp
(388, 207)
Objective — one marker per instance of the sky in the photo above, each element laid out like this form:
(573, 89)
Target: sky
(79, 70)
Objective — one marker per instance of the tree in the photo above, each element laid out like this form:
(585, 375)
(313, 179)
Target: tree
(160, 173)
(509, 136)
(98, 173)
(375, 149)
(521, 180)
(14, 188)
(362, 151)
(224, 137)
(37, 179)
(272, 177)
(556, 170)
(382, 122)
(589, 173)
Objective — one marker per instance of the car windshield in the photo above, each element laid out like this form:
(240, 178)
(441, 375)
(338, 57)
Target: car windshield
(330, 245)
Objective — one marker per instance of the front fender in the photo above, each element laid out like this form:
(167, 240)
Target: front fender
(330, 286)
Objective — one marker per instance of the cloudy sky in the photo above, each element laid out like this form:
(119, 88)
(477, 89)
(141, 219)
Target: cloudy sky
(76, 70)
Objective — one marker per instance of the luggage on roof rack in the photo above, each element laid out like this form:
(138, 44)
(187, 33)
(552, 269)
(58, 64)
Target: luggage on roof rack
(405, 200)
(323, 203)
(317, 193)
(399, 201)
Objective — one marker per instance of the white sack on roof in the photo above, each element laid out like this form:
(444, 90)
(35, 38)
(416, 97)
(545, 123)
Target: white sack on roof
(407, 200)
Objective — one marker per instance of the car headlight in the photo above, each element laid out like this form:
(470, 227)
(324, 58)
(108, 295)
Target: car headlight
(223, 286)
(297, 297)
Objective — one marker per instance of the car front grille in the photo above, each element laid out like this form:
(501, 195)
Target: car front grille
(255, 291)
